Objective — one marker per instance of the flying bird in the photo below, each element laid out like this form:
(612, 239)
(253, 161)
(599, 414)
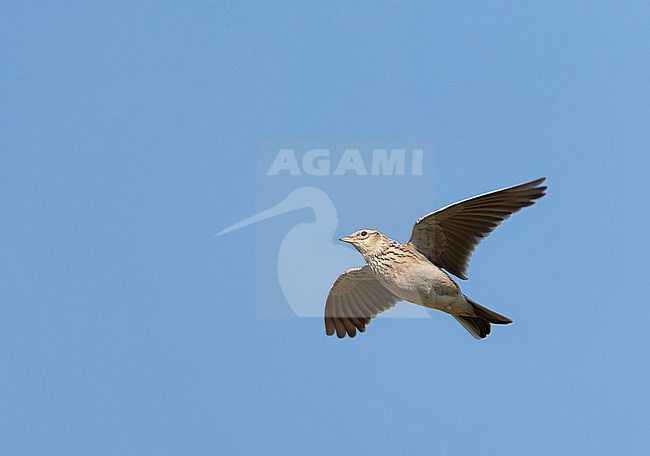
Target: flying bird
(417, 271)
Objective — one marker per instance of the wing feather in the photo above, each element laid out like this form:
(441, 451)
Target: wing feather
(448, 236)
(354, 299)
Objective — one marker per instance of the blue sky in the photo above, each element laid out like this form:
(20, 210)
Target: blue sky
(129, 135)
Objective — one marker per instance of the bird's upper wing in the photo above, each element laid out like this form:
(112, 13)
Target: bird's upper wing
(355, 297)
(448, 236)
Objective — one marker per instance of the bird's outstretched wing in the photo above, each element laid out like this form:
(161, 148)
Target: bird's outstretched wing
(355, 297)
(448, 236)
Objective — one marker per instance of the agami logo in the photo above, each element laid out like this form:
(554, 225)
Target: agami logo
(317, 162)
(298, 263)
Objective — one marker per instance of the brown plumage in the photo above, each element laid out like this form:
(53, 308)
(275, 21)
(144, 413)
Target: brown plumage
(444, 239)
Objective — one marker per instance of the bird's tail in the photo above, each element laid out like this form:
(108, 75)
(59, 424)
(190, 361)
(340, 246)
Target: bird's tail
(479, 326)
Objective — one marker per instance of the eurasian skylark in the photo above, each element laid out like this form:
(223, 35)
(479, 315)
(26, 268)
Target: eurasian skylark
(417, 271)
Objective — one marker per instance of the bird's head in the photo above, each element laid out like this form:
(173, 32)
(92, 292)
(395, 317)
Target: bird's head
(367, 241)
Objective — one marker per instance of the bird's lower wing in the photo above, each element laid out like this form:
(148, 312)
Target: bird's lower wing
(354, 299)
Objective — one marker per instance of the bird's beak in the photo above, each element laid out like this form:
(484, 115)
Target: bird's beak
(347, 239)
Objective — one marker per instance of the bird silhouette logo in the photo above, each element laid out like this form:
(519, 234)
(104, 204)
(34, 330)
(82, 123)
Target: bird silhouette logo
(309, 256)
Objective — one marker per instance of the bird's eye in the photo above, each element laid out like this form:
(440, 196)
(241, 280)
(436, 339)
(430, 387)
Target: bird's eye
(364, 233)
